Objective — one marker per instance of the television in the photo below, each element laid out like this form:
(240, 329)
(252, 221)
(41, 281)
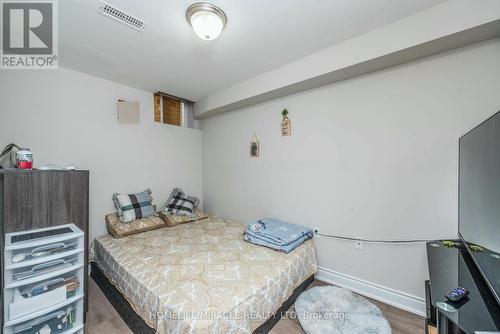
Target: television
(479, 198)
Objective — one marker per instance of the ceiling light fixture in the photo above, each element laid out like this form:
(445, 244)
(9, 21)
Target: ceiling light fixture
(207, 20)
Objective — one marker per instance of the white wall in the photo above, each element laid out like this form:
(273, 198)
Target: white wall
(373, 157)
(69, 118)
(388, 45)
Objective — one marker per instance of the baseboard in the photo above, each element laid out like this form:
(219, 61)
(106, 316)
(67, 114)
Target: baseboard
(381, 293)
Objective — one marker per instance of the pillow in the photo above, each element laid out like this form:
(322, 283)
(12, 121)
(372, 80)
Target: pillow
(131, 207)
(180, 204)
(195, 200)
(119, 230)
(174, 220)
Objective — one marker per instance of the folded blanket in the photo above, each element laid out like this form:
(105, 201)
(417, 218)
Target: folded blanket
(283, 248)
(276, 234)
(276, 231)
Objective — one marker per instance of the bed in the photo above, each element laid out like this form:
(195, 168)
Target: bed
(200, 277)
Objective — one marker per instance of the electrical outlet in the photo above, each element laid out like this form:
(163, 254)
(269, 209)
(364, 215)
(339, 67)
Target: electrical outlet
(359, 245)
(316, 231)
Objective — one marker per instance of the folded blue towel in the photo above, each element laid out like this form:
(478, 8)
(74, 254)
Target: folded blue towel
(283, 248)
(277, 232)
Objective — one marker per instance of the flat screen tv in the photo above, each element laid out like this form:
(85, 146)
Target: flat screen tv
(479, 199)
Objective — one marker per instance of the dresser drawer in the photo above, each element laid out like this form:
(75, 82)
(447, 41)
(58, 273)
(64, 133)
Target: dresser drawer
(34, 297)
(64, 319)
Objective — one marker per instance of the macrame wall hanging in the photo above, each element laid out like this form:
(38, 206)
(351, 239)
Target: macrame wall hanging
(286, 125)
(254, 147)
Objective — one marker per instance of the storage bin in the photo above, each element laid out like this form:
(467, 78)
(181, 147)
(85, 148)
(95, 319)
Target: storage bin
(43, 280)
(43, 295)
(39, 271)
(66, 319)
(42, 253)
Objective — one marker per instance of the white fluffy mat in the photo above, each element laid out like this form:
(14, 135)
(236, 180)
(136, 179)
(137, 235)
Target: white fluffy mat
(329, 309)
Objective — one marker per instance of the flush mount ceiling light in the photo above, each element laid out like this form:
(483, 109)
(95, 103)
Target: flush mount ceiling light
(207, 20)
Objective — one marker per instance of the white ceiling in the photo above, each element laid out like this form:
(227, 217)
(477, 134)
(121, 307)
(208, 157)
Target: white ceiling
(168, 56)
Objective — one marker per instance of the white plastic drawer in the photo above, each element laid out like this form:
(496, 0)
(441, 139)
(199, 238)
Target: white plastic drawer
(43, 280)
(33, 297)
(42, 271)
(65, 319)
(42, 236)
(31, 255)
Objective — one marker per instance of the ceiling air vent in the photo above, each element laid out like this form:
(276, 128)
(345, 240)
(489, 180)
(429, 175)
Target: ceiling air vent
(121, 16)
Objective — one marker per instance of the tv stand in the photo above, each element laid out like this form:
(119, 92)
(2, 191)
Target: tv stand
(450, 267)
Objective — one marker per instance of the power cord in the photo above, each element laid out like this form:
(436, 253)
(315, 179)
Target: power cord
(375, 241)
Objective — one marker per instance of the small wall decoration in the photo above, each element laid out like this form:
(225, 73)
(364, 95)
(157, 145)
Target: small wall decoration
(286, 125)
(128, 112)
(254, 147)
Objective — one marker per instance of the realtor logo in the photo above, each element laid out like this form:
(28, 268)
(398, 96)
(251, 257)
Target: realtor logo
(29, 34)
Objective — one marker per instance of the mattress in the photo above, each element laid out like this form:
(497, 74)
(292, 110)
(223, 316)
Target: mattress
(202, 277)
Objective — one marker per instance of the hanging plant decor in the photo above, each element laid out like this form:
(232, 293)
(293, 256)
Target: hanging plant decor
(286, 125)
(254, 147)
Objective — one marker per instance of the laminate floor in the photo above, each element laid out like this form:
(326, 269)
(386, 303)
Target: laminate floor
(103, 319)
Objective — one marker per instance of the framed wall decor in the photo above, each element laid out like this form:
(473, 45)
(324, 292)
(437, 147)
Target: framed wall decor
(254, 147)
(286, 125)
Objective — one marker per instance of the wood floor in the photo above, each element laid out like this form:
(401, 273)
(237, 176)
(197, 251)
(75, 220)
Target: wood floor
(103, 319)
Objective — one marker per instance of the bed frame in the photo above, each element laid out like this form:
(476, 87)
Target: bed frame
(139, 326)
